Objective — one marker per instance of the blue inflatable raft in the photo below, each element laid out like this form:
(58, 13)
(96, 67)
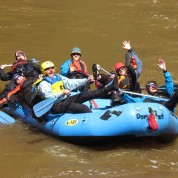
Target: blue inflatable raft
(105, 121)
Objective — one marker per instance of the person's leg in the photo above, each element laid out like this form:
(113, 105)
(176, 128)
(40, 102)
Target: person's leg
(172, 102)
(89, 95)
(86, 96)
(137, 88)
(68, 107)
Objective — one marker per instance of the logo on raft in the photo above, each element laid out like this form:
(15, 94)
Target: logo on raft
(71, 122)
(139, 116)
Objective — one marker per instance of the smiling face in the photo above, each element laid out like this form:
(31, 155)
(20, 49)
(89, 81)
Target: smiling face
(20, 55)
(75, 56)
(122, 71)
(50, 71)
(152, 88)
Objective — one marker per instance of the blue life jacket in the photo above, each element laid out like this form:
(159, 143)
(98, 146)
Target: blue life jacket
(56, 83)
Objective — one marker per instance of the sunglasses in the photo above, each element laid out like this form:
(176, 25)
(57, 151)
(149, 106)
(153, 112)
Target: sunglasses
(75, 54)
(153, 85)
(49, 68)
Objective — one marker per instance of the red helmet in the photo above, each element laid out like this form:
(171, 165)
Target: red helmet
(118, 65)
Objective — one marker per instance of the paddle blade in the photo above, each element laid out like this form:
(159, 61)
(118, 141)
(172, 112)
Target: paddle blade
(43, 107)
(5, 118)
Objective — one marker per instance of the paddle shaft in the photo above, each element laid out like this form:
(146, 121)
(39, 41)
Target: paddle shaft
(8, 65)
(105, 71)
(139, 94)
(163, 87)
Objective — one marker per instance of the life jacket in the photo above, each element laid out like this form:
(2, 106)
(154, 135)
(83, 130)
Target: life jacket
(136, 63)
(18, 63)
(79, 66)
(27, 68)
(7, 100)
(133, 62)
(124, 82)
(35, 85)
(56, 83)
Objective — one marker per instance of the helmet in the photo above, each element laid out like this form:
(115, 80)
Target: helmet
(46, 65)
(118, 65)
(149, 84)
(76, 50)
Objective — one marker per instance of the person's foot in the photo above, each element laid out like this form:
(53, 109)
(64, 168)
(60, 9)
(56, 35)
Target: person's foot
(115, 83)
(95, 71)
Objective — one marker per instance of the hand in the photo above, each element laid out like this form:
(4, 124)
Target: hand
(126, 45)
(112, 76)
(91, 78)
(40, 76)
(67, 92)
(120, 91)
(98, 67)
(72, 69)
(162, 64)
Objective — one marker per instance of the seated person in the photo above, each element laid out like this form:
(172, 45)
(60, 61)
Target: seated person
(152, 87)
(28, 68)
(54, 85)
(128, 74)
(75, 67)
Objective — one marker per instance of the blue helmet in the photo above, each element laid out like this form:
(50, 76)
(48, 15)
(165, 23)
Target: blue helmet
(76, 50)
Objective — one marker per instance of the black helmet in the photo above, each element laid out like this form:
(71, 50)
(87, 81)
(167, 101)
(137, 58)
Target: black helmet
(149, 84)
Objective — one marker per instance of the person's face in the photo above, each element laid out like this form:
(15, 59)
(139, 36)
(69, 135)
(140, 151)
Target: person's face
(153, 88)
(50, 71)
(21, 56)
(122, 71)
(76, 56)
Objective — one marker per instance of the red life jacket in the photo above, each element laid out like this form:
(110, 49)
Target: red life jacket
(19, 62)
(133, 63)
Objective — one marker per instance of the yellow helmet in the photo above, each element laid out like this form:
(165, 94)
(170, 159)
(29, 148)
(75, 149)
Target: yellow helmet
(46, 65)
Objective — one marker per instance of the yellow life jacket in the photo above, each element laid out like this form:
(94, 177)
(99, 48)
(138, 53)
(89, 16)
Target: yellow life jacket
(123, 82)
(56, 83)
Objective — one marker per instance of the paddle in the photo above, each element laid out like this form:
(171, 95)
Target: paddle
(163, 87)
(139, 94)
(6, 65)
(5, 118)
(44, 106)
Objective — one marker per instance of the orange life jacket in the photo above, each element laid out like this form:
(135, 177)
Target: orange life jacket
(79, 66)
(14, 91)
